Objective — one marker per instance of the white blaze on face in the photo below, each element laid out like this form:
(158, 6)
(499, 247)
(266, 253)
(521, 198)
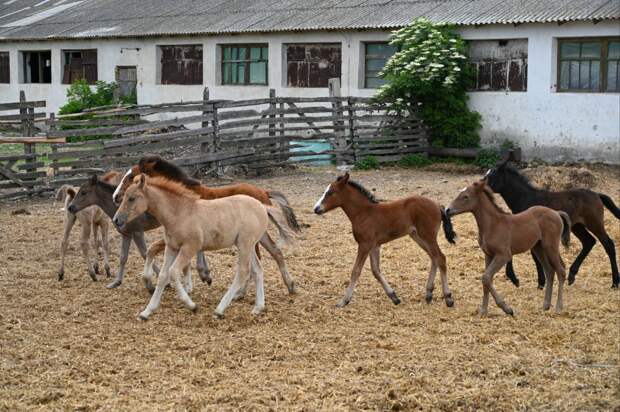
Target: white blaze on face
(118, 188)
(318, 203)
(487, 173)
(463, 189)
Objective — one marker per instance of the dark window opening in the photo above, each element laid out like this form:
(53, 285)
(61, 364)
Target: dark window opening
(499, 65)
(312, 65)
(37, 66)
(589, 65)
(245, 64)
(79, 65)
(5, 68)
(376, 55)
(181, 64)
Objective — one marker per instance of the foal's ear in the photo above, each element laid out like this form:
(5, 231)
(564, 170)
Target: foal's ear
(71, 192)
(93, 179)
(141, 180)
(345, 178)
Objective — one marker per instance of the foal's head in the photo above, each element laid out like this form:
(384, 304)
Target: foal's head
(468, 199)
(336, 194)
(134, 202)
(497, 177)
(126, 181)
(90, 193)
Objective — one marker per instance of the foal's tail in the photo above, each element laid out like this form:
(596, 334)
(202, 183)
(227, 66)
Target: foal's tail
(448, 230)
(566, 227)
(289, 213)
(279, 219)
(609, 204)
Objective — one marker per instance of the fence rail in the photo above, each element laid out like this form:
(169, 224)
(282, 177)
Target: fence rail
(216, 134)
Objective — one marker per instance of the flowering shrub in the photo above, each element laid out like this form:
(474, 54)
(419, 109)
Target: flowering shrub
(430, 74)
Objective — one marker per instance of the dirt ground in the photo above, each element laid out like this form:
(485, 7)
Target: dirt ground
(74, 345)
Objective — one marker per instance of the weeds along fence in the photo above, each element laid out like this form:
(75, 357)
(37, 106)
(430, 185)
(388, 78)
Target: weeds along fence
(215, 134)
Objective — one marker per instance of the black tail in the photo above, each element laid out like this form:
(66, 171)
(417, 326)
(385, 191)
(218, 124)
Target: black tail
(448, 230)
(288, 211)
(566, 228)
(609, 204)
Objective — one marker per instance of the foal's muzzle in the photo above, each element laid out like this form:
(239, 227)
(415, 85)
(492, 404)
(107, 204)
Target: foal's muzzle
(72, 209)
(119, 221)
(319, 210)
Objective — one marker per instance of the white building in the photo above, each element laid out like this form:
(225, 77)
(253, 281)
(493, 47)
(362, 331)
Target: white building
(549, 76)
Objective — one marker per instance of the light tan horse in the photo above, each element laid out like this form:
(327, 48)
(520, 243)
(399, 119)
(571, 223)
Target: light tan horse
(502, 235)
(192, 224)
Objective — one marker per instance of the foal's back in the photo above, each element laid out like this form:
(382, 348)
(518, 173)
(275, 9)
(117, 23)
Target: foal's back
(580, 204)
(399, 217)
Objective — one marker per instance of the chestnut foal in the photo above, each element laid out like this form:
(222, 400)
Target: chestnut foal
(502, 235)
(377, 223)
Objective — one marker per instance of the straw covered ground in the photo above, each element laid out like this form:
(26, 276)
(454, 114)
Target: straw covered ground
(74, 345)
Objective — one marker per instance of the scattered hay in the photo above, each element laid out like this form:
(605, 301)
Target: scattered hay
(562, 178)
(75, 345)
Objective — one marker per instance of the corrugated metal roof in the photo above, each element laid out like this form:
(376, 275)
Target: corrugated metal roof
(61, 19)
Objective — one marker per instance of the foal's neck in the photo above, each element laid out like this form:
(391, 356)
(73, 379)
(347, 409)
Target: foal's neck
(356, 205)
(518, 195)
(168, 208)
(486, 215)
(105, 201)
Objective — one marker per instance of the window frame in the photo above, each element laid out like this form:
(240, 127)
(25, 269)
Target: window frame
(23, 67)
(285, 49)
(246, 62)
(604, 44)
(366, 58)
(185, 82)
(8, 68)
(65, 62)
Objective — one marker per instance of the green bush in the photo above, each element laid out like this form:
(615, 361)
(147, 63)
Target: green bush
(486, 158)
(367, 163)
(430, 75)
(415, 160)
(81, 96)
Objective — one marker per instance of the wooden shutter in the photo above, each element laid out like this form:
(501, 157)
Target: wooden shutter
(312, 65)
(5, 68)
(89, 63)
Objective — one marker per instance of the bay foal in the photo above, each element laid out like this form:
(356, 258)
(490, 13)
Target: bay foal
(502, 235)
(192, 225)
(377, 223)
(585, 208)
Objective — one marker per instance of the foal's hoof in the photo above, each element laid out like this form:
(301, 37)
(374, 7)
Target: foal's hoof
(108, 274)
(61, 275)
(114, 284)
(428, 298)
(614, 286)
(257, 310)
(541, 287)
(449, 300)
(92, 275)
(394, 298)
(218, 316)
(510, 312)
(205, 277)
(342, 304)
(142, 317)
(96, 268)
(194, 309)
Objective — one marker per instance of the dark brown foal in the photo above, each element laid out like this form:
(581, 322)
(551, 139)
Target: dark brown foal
(377, 223)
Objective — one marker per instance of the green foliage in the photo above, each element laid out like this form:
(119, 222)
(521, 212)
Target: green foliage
(430, 74)
(508, 144)
(486, 158)
(367, 163)
(81, 96)
(415, 160)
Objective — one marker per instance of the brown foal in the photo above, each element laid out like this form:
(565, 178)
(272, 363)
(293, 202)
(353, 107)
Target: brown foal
(377, 223)
(502, 235)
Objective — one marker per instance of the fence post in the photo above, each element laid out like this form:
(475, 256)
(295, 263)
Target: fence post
(52, 123)
(26, 127)
(340, 141)
(352, 135)
(204, 147)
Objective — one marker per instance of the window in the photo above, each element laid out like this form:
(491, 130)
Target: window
(5, 69)
(181, 64)
(36, 66)
(499, 65)
(78, 65)
(312, 65)
(245, 64)
(376, 56)
(589, 65)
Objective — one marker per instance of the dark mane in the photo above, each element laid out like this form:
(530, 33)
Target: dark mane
(106, 186)
(512, 172)
(362, 190)
(169, 170)
(489, 194)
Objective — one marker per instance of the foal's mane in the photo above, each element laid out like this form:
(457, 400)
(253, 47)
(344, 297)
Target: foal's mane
(105, 185)
(361, 189)
(513, 173)
(489, 194)
(169, 170)
(172, 186)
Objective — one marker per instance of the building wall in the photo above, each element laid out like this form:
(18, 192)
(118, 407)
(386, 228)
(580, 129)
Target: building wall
(547, 124)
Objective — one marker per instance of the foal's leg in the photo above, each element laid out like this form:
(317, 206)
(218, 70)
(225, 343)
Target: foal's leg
(511, 275)
(125, 244)
(276, 253)
(487, 283)
(558, 265)
(438, 259)
(599, 231)
(84, 244)
(375, 265)
(241, 277)
(362, 254)
(182, 263)
(97, 243)
(202, 267)
(162, 282)
(69, 222)
(540, 270)
(188, 279)
(153, 250)
(587, 243)
(105, 247)
(257, 270)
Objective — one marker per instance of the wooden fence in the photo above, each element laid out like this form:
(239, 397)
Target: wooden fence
(215, 134)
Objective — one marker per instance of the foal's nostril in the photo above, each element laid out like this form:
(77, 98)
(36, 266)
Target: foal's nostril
(317, 210)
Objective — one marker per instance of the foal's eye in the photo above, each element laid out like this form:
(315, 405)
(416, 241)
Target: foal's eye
(131, 199)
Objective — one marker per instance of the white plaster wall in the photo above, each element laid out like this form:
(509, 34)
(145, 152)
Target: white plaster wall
(549, 125)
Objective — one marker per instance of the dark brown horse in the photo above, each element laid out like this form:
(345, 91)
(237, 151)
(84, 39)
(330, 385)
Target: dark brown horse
(155, 166)
(585, 208)
(502, 235)
(377, 223)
